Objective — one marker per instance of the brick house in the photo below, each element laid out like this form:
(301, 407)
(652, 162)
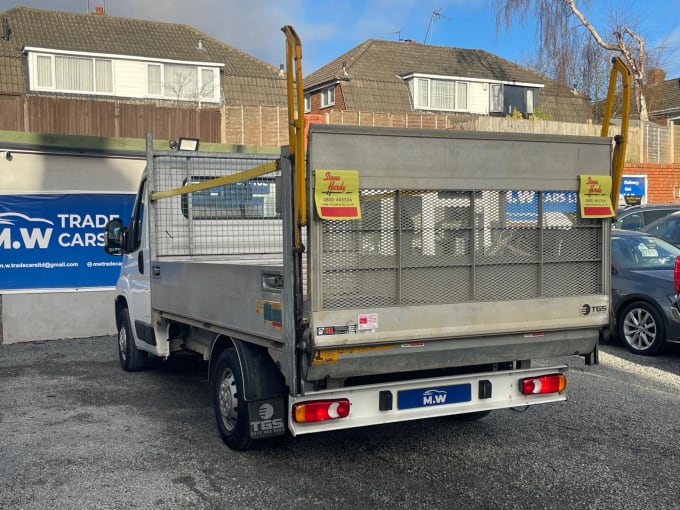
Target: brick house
(663, 97)
(407, 77)
(95, 74)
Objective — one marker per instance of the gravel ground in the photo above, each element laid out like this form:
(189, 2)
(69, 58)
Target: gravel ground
(79, 433)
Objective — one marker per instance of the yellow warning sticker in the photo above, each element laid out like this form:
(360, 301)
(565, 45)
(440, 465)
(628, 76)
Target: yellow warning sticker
(336, 194)
(333, 355)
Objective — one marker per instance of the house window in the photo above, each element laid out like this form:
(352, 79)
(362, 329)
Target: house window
(71, 73)
(519, 98)
(423, 93)
(433, 94)
(207, 89)
(181, 82)
(74, 74)
(308, 103)
(443, 95)
(328, 97)
(530, 101)
(461, 95)
(44, 71)
(496, 99)
(103, 72)
(154, 79)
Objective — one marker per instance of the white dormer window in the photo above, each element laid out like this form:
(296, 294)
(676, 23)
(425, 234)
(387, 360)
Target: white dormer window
(328, 97)
(181, 82)
(439, 94)
(74, 72)
(62, 73)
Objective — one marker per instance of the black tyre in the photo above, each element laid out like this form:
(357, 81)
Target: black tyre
(642, 329)
(231, 410)
(131, 358)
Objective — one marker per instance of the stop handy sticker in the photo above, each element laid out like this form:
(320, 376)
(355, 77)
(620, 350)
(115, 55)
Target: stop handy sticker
(336, 194)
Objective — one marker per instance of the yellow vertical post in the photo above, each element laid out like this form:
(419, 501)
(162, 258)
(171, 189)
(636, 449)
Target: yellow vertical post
(296, 125)
(619, 156)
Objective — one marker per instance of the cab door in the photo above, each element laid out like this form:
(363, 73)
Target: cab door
(137, 267)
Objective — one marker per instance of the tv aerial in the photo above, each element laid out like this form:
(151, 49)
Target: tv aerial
(398, 33)
(436, 14)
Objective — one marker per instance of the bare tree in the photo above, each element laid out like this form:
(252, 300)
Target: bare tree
(557, 37)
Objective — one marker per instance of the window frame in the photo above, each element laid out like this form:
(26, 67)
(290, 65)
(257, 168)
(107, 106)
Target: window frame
(423, 99)
(196, 91)
(114, 75)
(496, 98)
(326, 93)
(39, 83)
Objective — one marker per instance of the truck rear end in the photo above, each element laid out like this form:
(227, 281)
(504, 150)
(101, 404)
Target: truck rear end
(373, 276)
(469, 261)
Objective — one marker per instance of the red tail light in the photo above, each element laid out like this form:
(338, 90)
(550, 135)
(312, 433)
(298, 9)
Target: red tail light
(320, 410)
(551, 383)
(676, 275)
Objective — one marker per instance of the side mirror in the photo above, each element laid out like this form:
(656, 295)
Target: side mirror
(116, 237)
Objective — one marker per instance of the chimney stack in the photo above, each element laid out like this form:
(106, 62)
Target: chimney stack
(5, 29)
(99, 11)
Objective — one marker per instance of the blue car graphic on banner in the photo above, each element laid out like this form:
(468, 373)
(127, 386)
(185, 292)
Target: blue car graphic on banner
(55, 241)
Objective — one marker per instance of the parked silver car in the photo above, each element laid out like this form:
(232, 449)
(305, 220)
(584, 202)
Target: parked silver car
(643, 291)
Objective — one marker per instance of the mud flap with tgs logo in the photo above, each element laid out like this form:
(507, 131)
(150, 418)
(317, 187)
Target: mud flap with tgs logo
(267, 418)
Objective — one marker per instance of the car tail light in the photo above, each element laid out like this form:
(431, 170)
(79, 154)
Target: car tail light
(676, 275)
(320, 410)
(551, 383)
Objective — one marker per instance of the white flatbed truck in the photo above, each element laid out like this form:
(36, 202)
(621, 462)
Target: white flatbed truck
(469, 260)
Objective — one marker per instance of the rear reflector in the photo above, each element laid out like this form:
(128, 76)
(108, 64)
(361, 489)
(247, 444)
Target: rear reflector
(320, 410)
(551, 383)
(676, 275)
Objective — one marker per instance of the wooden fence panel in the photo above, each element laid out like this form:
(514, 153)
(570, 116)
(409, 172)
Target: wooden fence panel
(255, 125)
(70, 116)
(11, 113)
(135, 120)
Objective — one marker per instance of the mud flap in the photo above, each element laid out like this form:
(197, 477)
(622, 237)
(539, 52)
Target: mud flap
(265, 391)
(593, 357)
(267, 418)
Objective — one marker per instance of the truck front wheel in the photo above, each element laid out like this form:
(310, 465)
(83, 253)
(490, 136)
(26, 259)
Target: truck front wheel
(131, 358)
(231, 410)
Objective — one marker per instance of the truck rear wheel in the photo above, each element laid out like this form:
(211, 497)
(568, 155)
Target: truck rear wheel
(231, 410)
(131, 358)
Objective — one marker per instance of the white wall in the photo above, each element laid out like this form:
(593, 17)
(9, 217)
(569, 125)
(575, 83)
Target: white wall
(48, 315)
(56, 315)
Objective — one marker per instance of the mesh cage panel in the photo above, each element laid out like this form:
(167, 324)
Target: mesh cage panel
(232, 219)
(441, 247)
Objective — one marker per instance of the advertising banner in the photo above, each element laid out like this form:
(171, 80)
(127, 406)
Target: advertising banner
(633, 190)
(522, 206)
(56, 241)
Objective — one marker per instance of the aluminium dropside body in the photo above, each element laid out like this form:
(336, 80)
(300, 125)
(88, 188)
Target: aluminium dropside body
(469, 261)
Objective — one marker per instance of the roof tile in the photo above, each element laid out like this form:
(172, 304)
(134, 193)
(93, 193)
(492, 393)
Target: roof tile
(97, 33)
(374, 71)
